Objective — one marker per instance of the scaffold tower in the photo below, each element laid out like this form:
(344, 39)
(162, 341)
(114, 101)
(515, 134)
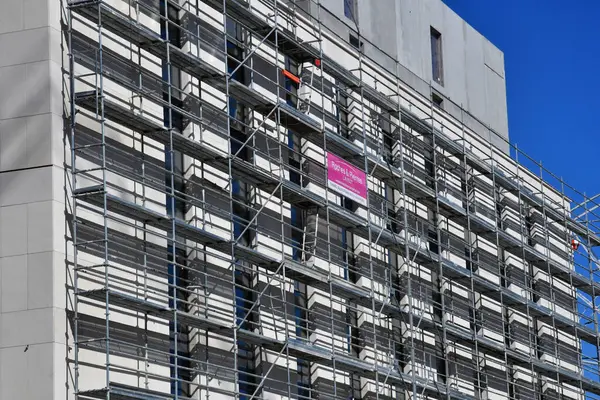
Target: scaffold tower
(259, 210)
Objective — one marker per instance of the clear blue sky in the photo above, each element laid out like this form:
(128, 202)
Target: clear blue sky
(552, 56)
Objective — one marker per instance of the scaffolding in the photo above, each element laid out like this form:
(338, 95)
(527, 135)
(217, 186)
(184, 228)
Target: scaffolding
(210, 258)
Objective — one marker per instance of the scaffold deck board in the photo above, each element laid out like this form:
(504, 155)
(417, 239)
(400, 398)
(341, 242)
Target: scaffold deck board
(124, 392)
(92, 102)
(425, 257)
(296, 347)
(363, 297)
(344, 217)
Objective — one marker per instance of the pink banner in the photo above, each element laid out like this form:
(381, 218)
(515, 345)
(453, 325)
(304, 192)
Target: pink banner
(346, 179)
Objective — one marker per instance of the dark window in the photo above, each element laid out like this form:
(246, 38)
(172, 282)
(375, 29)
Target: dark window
(175, 205)
(235, 55)
(437, 100)
(291, 87)
(437, 65)
(355, 42)
(350, 10)
(171, 74)
(343, 112)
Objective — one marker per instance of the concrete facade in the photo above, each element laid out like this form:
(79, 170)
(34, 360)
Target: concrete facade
(399, 31)
(32, 223)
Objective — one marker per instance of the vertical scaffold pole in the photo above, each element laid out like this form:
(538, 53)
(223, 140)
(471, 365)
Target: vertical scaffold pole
(74, 199)
(235, 350)
(100, 101)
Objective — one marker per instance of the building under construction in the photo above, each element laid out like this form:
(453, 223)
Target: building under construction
(278, 199)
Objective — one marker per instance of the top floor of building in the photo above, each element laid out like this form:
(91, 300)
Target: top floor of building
(432, 50)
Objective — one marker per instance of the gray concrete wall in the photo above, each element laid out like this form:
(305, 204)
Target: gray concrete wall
(473, 67)
(32, 266)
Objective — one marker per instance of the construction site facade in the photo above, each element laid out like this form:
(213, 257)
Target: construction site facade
(277, 199)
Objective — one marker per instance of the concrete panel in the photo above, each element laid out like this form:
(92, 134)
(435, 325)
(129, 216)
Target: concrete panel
(433, 15)
(31, 228)
(58, 186)
(455, 80)
(28, 374)
(413, 44)
(13, 230)
(41, 281)
(20, 187)
(378, 25)
(13, 80)
(22, 328)
(336, 22)
(55, 52)
(14, 283)
(28, 142)
(336, 7)
(39, 227)
(36, 13)
(44, 88)
(11, 17)
(44, 143)
(13, 134)
(413, 81)
(366, 15)
(30, 89)
(13, 373)
(23, 47)
(474, 72)
(494, 58)
(19, 15)
(59, 373)
(58, 227)
(40, 371)
(495, 88)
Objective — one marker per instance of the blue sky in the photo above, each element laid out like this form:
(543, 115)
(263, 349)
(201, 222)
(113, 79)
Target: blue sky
(552, 56)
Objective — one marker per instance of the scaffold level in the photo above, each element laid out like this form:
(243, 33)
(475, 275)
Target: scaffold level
(215, 255)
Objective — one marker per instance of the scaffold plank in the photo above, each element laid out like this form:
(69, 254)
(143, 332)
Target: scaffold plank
(249, 173)
(124, 392)
(363, 297)
(339, 215)
(297, 347)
